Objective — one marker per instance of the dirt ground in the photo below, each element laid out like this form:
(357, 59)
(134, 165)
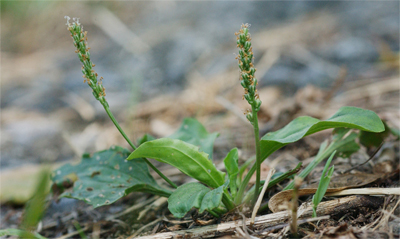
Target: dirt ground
(162, 62)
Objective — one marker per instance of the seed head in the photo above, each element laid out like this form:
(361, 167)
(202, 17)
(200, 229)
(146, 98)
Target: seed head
(79, 38)
(247, 70)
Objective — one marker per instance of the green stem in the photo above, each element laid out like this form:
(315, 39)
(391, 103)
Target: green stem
(214, 214)
(107, 109)
(227, 201)
(243, 185)
(258, 153)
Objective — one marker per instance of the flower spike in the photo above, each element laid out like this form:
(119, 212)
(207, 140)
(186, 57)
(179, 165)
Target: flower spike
(247, 70)
(80, 42)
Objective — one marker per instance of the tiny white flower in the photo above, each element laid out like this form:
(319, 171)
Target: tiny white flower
(68, 18)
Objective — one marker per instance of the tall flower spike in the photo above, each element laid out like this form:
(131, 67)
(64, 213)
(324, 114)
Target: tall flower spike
(247, 70)
(79, 38)
(249, 83)
(90, 76)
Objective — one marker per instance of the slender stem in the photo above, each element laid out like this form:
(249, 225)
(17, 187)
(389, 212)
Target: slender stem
(215, 214)
(258, 153)
(117, 125)
(243, 185)
(160, 173)
(227, 201)
(105, 105)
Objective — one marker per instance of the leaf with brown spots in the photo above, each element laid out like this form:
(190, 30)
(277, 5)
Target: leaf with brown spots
(104, 177)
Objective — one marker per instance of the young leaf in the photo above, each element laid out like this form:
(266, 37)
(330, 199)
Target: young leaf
(184, 156)
(231, 165)
(323, 185)
(212, 199)
(346, 150)
(338, 144)
(186, 197)
(144, 139)
(193, 132)
(349, 117)
(104, 177)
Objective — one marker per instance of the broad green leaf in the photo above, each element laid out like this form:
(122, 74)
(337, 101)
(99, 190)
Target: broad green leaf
(186, 197)
(231, 165)
(193, 132)
(20, 233)
(104, 177)
(184, 156)
(348, 117)
(212, 199)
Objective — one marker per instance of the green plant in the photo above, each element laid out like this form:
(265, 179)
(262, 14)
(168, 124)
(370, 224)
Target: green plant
(34, 211)
(104, 177)
(323, 184)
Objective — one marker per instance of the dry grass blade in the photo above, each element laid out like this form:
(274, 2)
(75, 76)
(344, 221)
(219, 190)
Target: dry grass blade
(366, 191)
(69, 235)
(119, 32)
(144, 227)
(260, 197)
(133, 208)
(385, 218)
(374, 89)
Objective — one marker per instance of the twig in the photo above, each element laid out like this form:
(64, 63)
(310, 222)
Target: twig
(371, 157)
(259, 200)
(385, 218)
(299, 222)
(73, 233)
(273, 219)
(155, 205)
(133, 208)
(294, 205)
(144, 227)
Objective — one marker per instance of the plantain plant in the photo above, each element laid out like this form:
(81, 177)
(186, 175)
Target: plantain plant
(104, 177)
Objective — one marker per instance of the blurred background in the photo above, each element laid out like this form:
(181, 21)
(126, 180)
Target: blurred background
(163, 61)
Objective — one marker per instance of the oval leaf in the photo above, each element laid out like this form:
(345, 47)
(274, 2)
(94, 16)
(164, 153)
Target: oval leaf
(232, 167)
(212, 199)
(184, 156)
(104, 177)
(193, 132)
(186, 197)
(349, 117)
